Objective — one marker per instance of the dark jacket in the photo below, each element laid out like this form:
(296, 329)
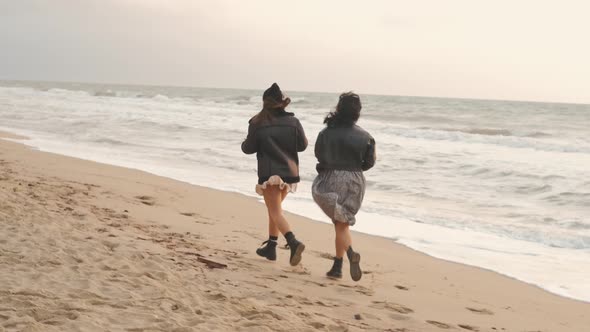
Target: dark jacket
(276, 142)
(348, 148)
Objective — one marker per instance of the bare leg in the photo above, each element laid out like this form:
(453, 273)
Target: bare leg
(269, 251)
(273, 197)
(344, 245)
(273, 229)
(343, 239)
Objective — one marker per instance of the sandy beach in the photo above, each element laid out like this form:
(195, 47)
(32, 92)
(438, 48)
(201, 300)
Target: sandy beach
(91, 247)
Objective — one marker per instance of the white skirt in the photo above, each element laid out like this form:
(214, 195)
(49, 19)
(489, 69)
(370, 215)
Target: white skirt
(276, 180)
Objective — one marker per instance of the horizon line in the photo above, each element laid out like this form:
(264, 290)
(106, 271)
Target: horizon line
(299, 91)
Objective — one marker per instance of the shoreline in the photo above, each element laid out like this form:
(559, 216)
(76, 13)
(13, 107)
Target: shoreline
(127, 231)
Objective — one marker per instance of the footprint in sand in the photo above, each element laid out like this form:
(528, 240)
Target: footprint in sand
(271, 278)
(255, 314)
(468, 327)
(359, 289)
(325, 255)
(438, 324)
(53, 317)
(216, 296)
(482, 311)
(298, 270)
(391, 306)
(321, 284)
(202, 222)
(200, 219)
(317, 325)
(402, 287)
(147, 200)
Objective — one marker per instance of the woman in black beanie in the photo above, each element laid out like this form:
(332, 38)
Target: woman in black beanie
(276, 136)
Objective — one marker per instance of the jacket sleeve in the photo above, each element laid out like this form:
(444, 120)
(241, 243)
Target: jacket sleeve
(370, 155)
(318, 150)
(250, 145)
(301, 138)
(318, 146)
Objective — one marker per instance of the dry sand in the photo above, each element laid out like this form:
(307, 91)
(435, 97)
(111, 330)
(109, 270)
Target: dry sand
(92, 247)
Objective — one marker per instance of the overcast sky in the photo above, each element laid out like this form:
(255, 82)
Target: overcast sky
(500, 49)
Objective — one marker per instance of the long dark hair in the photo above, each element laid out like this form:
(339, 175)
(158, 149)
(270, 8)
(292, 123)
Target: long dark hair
(269, 108)
(347, 111)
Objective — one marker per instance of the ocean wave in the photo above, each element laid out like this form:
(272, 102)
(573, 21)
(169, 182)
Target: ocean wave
(532, 189)
(569, 198)
(481, 131)
(387, 187)
(240, 99)
(519, 142)
(160, 97)
(145, 146)
(95, 93)
(249, 99)
(128, 94)
(299, 100)
(110, 93)
(551, 235)
(418, 161)
(574, 225)
(66, 92)
(553, 177)
(490, 132)
(167, 127)
(386, 115)
(480, 171)
(111, 141)
(105, 93)
(101, 92)
(538, 134)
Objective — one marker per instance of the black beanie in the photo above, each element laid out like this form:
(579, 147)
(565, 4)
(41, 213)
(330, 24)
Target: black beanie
(273, 92)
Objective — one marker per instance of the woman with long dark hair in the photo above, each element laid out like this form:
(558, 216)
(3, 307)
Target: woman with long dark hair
(344, 150)
(276, 136)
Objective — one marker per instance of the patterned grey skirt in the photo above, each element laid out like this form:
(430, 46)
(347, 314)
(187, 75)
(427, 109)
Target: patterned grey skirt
(339, 194)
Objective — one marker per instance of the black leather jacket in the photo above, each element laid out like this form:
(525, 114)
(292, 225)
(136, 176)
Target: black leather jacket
(276, 142)
(348, 148)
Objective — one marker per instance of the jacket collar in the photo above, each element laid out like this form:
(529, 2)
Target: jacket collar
(279, 112)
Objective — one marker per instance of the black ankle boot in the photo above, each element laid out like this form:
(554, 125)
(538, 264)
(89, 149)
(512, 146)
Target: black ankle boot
(296, 248)
(336, 270)
(354, 259)
(269, 250)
